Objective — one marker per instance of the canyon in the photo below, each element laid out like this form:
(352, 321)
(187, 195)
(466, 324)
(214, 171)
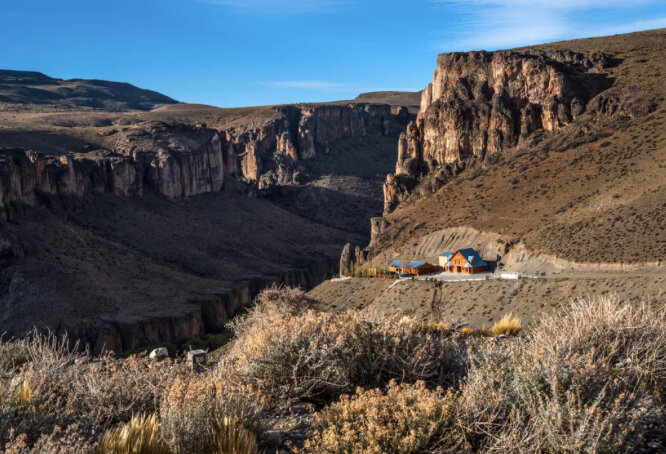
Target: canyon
(126, 228)
(132, 226)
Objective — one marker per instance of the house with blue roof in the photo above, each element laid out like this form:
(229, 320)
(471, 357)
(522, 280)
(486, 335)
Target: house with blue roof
(463, 261)
(411, 267)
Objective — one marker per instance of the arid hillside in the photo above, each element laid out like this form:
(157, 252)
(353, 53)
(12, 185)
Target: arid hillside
(34, 88)
(556, 150)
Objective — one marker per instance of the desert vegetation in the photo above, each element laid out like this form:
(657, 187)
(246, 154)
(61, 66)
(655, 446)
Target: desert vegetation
(293, 379)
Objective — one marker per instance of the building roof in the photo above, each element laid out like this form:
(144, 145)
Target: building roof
(448, 255)
(470, 254)
(410, 264)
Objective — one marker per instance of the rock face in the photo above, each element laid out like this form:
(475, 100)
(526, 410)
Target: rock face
(346, 260)
(171, 160)
(274, 152)
(177, 160)
(485, 103)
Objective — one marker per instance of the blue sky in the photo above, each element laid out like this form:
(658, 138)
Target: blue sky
(253, 52)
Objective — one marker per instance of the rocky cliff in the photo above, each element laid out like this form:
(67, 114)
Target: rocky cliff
(171, 160)
(275, 152)
(483, 104)
(554, 149)
(178, 160)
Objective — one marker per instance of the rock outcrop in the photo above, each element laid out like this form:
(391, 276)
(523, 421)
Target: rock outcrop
(275, 152)
(178, 160)
(171, 160)
(485, 103)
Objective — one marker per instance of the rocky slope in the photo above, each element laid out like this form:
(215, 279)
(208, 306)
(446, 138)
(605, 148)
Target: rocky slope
(481, 104)
(556, 150)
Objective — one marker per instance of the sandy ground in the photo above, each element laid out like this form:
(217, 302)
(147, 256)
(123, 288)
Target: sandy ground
(481, 302)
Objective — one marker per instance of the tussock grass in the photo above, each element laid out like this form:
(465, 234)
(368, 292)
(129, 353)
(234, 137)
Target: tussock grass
(24, 393)
(141, 435)
(509, 325)
(435, 327)
(231, 437)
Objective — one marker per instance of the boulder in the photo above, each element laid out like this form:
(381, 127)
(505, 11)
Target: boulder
(159, 353)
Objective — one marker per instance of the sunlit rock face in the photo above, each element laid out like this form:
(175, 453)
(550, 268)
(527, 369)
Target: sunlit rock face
(483, 103)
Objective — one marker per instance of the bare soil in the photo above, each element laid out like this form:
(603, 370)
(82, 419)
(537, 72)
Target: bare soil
(479, 303)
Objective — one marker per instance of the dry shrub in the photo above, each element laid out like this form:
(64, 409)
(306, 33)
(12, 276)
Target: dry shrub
(408, 418)
(317, 356)
(111, 391)
(627, 336)
(13, 354)
(68, 441)
(514, 402)
(509, 325)
(60, 386)
(572, 387)
(141, 435)
(272, 306)
(194, 409)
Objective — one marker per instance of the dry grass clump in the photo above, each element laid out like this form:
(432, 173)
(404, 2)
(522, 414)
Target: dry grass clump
(478, 332)
(231, 437)
(316, 356)
(197, 411)
(435, 327)
(407, 418)
(509, 325)
(141, 435)
(629, 337)
(570, 388)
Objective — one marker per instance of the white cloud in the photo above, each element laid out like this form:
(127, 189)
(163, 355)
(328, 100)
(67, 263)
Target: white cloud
(502, 24)
(309, 85)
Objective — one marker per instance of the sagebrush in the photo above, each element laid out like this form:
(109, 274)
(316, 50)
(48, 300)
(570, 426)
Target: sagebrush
(589, 379)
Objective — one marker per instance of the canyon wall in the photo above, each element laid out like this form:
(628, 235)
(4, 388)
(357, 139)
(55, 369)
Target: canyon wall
(276, 152)
(482, 104)
(177, 160)
(196, 318)
(170, 159)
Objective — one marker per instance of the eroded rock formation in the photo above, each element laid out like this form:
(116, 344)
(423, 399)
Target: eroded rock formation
(177, 160)
(484, 103)
(274, 152)
(172, 160)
